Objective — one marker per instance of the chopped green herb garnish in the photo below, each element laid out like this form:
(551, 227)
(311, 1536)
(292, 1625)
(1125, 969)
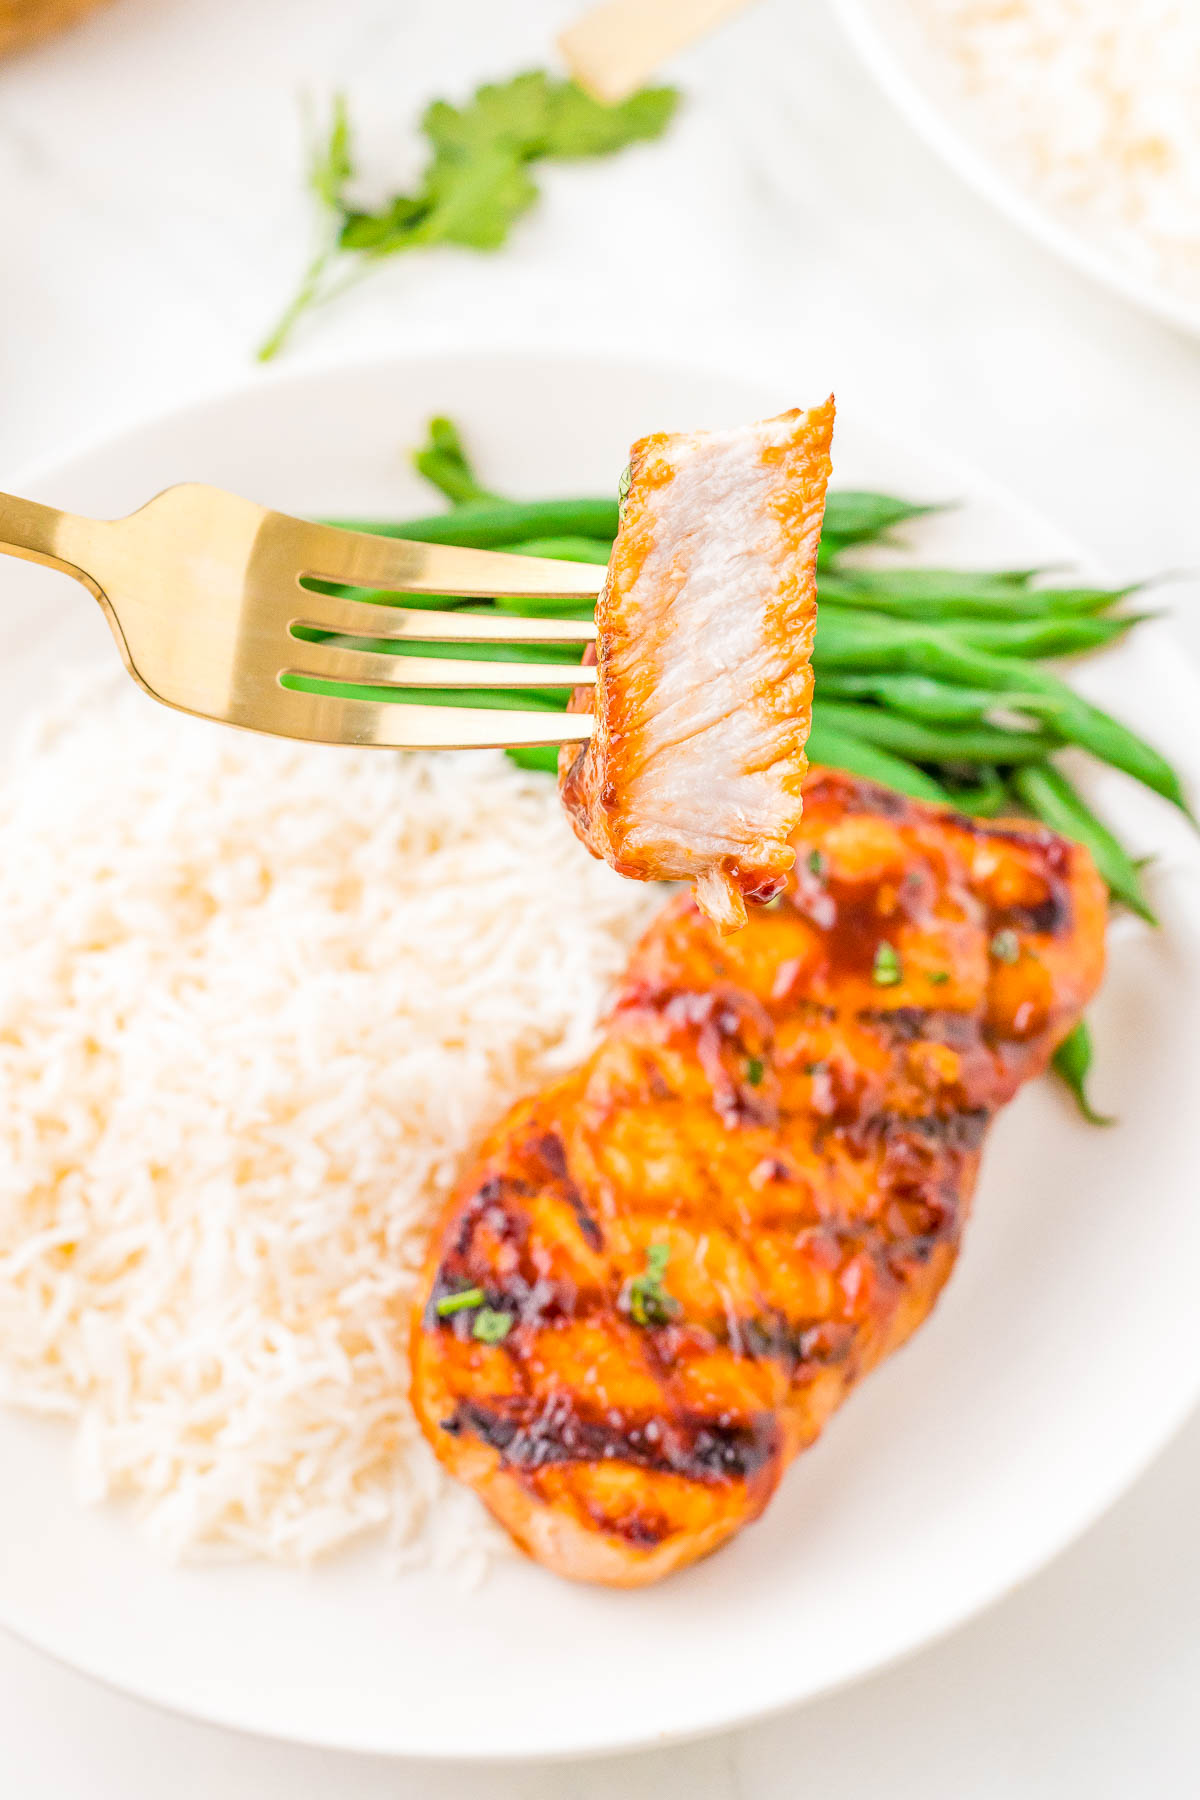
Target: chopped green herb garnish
(886, 971)
(1006, 947)
(646, 1299)
(476, 183)
(754, 1071)
(463, 1301)
(815, 863)
(938, 977)
(490, 1326)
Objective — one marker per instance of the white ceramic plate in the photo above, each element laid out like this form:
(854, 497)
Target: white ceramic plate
(899, 55)
(1065, 1352)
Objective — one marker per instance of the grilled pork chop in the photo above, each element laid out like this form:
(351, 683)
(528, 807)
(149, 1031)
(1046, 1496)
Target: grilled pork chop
(663, 1274)
(704, 691)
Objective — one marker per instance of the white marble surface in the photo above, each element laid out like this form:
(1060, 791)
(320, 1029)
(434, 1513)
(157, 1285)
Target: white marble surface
(152, 221)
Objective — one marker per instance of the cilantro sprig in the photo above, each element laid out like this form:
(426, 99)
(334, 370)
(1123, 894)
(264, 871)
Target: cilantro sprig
(477, 182)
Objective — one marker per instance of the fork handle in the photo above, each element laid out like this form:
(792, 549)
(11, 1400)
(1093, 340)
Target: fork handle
(38, 534)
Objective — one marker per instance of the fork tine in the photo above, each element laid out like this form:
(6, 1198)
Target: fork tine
(367, 618)
(323, 719)
(330, 662)
(328, 554)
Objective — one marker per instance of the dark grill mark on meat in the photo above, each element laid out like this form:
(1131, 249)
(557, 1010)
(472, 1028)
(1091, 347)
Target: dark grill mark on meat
(552, 1153)
(532, 1436)
(808, 1344)
(951, 1132)
(961, 1131)
(589, 1225)
(486, 1206)
(920, 1024)
(1049, 917)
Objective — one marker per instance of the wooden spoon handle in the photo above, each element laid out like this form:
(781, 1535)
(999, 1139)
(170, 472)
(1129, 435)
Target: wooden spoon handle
(616, 45)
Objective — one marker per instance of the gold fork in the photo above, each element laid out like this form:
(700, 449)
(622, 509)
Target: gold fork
(204, 595)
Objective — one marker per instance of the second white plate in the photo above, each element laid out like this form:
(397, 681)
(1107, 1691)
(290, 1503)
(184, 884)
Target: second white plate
(895, 49)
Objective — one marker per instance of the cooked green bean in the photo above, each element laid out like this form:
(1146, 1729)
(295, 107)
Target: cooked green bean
(941, 595)
(933, 743)
(857, 517)
(543, 757)
(986, 798)
(390, 596)
(891, 646)
(1050, 797)
(444, 462)
(851, 640)
(507, 699)
(916, 696)
(869, 631)
(1045, 637)
(1072, 1062)
(1091, 729)
(565, 549)
(1034, 692)
(465, 652)
(486, 524)
(826, 745)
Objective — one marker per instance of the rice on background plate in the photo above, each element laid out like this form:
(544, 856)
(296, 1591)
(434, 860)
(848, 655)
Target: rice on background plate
(1095, 106)
(257, 1001)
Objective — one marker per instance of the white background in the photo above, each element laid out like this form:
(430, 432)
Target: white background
(152, 221)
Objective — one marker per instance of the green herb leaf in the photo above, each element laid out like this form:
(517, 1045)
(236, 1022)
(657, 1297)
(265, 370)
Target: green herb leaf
(581, 126)
(464, 1301)
(938, 977)
(476, 184)
(755, 1070)
(886, 971)
(1006, 947)
(815, 864)
(645, 1298)
(511, 115)
(490, 1326)
(382, 234)
(475, 201)
(1072, 1063)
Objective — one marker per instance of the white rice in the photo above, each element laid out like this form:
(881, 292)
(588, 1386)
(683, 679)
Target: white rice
(1096, 106)
(256, 1003)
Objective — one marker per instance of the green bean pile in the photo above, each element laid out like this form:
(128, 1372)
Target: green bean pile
(927, 680)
